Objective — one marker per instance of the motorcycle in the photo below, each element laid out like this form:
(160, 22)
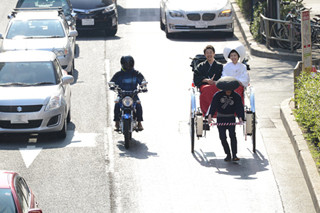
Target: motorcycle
(128, 119)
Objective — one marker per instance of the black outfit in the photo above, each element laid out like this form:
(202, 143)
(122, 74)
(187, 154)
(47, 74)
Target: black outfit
(204, 70)
(128, 80)
(227, 107)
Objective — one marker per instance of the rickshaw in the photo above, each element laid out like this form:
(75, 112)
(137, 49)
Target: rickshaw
(198, 118)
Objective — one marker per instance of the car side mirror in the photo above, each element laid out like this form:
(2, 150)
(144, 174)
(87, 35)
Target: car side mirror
(35, 211)
(67, 79)
(144, 83)
(111, 84)
(73, 33)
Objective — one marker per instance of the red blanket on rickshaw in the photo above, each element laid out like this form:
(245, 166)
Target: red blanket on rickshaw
(207, 93)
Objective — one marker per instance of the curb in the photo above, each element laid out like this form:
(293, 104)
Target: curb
(255, 48)
(300, 146)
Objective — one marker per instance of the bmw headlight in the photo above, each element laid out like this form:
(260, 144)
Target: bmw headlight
(225, 13)
(61, 51)
(54, 103)
(127, 101)
(109, 8)
(176, 14)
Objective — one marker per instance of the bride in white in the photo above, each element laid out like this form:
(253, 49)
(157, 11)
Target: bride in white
(234, 67)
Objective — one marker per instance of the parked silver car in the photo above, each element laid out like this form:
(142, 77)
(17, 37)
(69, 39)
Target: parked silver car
(35, 93)
(41, 30)
(196, 16)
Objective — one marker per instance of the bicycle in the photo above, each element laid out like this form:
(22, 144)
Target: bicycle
(292, 31)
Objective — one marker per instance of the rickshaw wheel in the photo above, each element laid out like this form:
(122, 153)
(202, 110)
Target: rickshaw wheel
(192, 130)
(254, 133)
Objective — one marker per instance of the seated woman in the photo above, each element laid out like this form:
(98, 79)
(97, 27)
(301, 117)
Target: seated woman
(205, 76)
(234, 67)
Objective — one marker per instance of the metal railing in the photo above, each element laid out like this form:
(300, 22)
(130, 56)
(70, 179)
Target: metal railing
(286, 34)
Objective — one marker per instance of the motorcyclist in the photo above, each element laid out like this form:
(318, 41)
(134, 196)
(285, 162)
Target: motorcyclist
(128, 79)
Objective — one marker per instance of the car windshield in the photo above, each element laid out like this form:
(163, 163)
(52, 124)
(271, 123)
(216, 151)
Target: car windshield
(45, 3)
(85, 4)
(27, 73)
(35, 29)
(6, 201)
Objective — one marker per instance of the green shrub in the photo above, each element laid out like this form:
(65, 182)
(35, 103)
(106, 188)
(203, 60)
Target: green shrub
(307, 112)
(284, 9)
(246, 8)
(255, 24)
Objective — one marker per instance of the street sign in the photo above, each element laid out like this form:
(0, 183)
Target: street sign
(306, 41)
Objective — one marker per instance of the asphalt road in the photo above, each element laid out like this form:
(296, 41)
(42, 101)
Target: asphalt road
(91, 171)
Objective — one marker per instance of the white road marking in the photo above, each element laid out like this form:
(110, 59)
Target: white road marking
(29, 154)
(81, 139)
(73, 139)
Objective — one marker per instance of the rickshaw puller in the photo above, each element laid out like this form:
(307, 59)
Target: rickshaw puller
(227, 104)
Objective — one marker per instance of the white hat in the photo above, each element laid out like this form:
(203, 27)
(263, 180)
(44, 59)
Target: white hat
(237, 46)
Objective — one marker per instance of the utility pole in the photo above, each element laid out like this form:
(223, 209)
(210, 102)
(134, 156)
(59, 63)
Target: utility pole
(272, 7)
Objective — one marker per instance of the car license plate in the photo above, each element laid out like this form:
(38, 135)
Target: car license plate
(88, 21)
(19, 119)
(201, 25)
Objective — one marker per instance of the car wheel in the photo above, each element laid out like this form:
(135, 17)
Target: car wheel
(112, 31)
(162, 26)
(230, 34)
(168, 35)
(69, 116)
(62, 134)
(72, 68)
(75, 49)
(1, 136)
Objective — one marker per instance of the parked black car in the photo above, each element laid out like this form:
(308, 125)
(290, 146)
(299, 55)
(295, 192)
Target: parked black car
(96, 15)
(64, 4)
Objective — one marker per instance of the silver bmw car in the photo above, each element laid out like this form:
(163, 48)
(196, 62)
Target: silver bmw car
(196, 16)
(35, 94)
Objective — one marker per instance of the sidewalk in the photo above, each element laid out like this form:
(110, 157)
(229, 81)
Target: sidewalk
(314, 5)
(304, 157)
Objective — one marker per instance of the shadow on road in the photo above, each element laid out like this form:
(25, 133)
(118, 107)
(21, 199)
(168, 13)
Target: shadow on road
(46, 140)
(136, 150)
(243, 169)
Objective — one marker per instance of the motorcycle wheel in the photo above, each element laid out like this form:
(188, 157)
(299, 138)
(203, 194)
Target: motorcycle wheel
(126, 133)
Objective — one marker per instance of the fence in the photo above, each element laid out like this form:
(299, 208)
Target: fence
(286, 34)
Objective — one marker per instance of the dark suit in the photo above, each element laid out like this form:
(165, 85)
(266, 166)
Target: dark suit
(204, 70)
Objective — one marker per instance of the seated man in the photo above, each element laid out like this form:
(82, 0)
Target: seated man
(205, 76)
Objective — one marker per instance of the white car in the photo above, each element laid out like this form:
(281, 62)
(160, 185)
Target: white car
(35, 93)
(196, 16)
(32, 29)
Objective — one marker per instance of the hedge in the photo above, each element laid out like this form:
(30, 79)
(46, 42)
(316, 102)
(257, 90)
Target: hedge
(307, 112)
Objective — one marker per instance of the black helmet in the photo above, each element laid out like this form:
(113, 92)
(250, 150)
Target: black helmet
(127, 62)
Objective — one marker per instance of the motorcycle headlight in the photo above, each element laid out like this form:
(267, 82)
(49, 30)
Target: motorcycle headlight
(109, 8)
(127, 101)
(176, 14)
(61, 52)
(225, 13)
(54, 103)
